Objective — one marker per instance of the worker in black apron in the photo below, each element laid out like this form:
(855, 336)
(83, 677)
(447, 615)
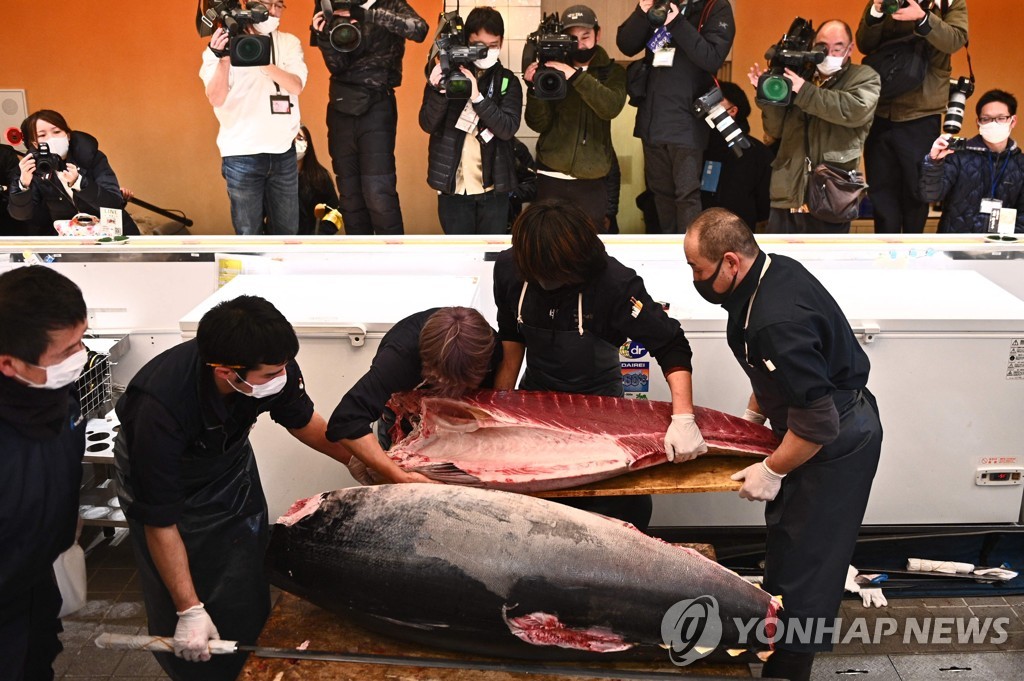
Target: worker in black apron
(189, 484)
(567, 306)
(809, 378)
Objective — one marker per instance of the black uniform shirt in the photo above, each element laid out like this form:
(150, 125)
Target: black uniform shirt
(607, 311)
(396, 368)
(800, 345)
(172, 404)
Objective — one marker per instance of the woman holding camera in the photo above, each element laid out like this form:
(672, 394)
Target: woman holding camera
(68, 175)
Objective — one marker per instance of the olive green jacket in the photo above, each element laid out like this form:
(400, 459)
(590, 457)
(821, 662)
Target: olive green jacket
(837, 114)
(575, 132)
(945, 34)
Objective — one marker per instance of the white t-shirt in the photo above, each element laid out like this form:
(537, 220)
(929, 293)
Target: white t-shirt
(246, 124)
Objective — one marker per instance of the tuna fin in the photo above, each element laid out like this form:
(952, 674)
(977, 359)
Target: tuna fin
(448, 473)
(543, 629)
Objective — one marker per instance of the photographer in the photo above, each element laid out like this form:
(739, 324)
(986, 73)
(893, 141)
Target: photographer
(987, 174)
(675, 75)
(905, 125)
(82, 180)
(471, 158)
(316, 188)
(362, 115)
(258, 111)
(574, 150)
(827, 122)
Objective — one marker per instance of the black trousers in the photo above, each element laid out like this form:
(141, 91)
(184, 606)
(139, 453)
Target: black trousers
(892, 159)
(363, 156)
(485, 213)
(590, 196)
(814, 521)
(28, 632)
(672, 173)
(781, 221)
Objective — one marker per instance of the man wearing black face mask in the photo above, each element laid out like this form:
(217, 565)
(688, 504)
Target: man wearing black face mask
(809, 378)
(574, 150)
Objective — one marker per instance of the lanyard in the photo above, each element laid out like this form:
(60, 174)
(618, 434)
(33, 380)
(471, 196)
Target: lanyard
(746, 322)
(992, 169)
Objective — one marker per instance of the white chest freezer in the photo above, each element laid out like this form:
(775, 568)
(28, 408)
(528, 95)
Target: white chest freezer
(340, 320)
(947, 367)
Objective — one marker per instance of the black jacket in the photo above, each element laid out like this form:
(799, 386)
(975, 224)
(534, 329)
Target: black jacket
(963, 179)
(46, 201)
(743, 181)
(9, 172)
(377, 62)
(666, 114)
(499, 112)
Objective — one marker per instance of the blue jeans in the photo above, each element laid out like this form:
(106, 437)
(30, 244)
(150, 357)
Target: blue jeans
(263, 184)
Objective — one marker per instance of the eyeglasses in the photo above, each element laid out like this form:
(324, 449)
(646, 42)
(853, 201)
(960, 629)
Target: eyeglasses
(985, 120)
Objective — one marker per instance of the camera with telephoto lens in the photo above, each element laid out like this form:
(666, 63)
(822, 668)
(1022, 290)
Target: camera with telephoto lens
(795, 51)
(710, 107)
(658, 13)
(549, 42)
(893, 6)
(341, 32)
(959, 91)
(451, 52)
(244, 48)
(47, 163)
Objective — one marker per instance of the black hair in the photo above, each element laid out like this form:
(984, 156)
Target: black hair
(28, 126)
(485, 19)
(556, 241)
(314, 180)
(997, 96)
(35, 301)
(245, 332)
(735, 94)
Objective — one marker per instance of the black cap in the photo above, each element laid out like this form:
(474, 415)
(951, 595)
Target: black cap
(579, 15)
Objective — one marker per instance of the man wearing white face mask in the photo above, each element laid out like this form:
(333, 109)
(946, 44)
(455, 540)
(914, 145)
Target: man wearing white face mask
(42, 440)
(258, 111)
(827, 122)
(471, 162)
(986, 176)
(188, 481)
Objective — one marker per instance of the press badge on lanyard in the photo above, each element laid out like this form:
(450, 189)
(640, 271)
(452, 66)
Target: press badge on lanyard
(279, 104)
(658, 45)
(990, 204)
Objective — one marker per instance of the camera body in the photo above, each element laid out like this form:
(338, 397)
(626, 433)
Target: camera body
(341, 32)
(959, 91)
(957, 144)
(658, 13)
(47, 162)
(710, 107)
(893, 6)
(244, 49)
(549, 42)
(451, 52)
(795, 51)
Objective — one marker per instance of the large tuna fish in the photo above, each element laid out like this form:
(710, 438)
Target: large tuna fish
(496, 573)
(524, 441)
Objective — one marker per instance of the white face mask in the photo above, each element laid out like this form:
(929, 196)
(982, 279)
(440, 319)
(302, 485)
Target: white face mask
(269, 26)
(490, 60)
(300, 149)
(831, 65)
(58, 145)
(995, 133)
(63, 373)
(271, 387)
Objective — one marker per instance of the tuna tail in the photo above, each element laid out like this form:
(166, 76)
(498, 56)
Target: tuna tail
(448, 473)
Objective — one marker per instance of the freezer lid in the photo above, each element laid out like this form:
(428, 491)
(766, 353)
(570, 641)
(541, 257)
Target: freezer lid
(893, 300)
(317, 303)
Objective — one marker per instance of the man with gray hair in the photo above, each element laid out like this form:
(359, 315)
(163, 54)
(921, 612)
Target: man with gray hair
(809, 378)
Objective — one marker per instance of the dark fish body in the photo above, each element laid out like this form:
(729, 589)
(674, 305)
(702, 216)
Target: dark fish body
(496, 573)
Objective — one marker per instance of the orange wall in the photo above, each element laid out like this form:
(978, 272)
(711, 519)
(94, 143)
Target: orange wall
(127, 72)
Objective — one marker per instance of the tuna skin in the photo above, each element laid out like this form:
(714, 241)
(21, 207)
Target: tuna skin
(458, 567)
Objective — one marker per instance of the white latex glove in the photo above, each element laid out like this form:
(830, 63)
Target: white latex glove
(683, 440)
(360, 472)
(760, 483)
(193, 634)
(754, 417)
(870, 597)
